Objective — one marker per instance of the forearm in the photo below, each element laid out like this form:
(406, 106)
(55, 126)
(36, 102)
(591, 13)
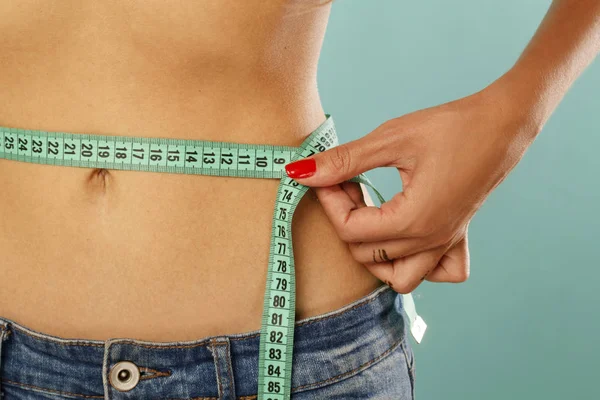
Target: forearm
(566, 42)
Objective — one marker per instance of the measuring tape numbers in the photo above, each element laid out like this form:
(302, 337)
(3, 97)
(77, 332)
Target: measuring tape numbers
(217, 159)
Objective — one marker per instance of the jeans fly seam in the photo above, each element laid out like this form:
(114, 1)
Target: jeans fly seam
(216, 360)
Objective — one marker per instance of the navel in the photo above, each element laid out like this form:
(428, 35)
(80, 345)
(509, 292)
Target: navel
(99, 179)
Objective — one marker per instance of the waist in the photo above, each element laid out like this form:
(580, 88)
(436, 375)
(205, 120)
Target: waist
(171, 248)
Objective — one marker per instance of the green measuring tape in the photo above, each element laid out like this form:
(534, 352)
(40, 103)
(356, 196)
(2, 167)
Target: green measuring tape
(218, 159)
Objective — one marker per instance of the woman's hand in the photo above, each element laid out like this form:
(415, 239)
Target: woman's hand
(450, 157)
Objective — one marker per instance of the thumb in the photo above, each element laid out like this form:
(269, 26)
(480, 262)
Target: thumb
(340, 163)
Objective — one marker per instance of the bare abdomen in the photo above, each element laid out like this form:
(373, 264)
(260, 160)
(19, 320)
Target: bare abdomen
(97, 254)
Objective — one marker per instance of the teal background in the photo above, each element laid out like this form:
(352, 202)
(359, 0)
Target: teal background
(525, 325)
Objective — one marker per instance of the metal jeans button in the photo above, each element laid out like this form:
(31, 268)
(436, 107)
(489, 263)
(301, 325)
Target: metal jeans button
(124, 375)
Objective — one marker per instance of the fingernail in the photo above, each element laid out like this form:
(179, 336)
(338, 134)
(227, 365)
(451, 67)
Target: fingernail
(301, 168)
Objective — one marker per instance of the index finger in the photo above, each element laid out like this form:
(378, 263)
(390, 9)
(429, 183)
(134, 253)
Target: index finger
(365, 224)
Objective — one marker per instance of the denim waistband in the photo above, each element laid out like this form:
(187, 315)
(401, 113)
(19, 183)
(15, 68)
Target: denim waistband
(327, 348)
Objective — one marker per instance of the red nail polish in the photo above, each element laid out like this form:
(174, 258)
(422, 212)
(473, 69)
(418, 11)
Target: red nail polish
(301, 168)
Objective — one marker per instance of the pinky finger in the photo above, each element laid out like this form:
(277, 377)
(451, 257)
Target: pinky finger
(454, 266)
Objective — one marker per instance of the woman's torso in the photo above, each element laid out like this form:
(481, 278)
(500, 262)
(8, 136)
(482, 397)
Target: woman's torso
(156, 256)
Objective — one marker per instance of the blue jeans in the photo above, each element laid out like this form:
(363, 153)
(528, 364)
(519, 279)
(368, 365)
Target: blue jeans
(360, 351)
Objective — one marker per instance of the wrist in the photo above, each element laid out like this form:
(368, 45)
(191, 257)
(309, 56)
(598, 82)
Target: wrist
(522, 102)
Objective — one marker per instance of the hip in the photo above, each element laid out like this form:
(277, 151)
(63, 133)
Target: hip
(360, 350)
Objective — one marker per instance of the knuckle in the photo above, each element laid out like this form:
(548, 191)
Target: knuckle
(403, 287)
(345, 235)
(442, 237)
(400, 227)
(355, 250)
(345, 232)
(462, 275)
(341, 158)
(390, 127)
(422, 227)
(402, 224)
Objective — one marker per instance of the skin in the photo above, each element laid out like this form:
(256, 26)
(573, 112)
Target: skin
(110, 253)
(451, 157)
